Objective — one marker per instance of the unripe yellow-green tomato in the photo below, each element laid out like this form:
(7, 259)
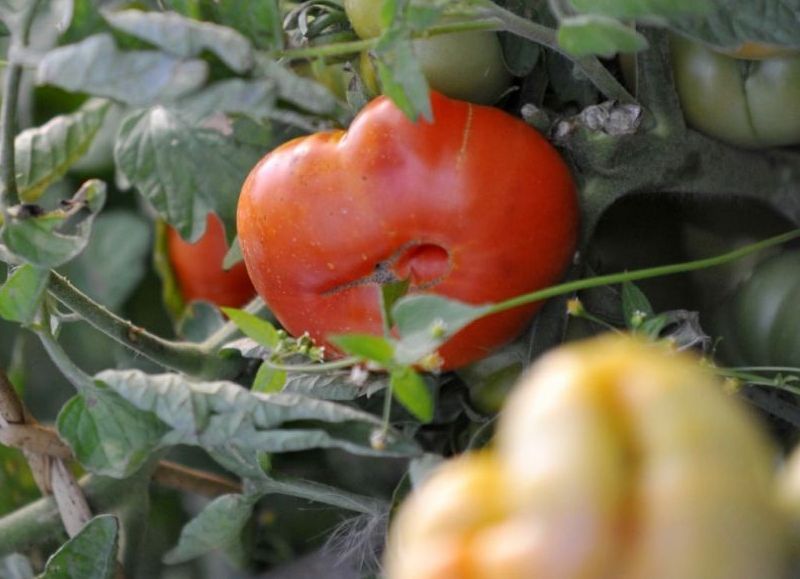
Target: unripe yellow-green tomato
(614, 458)
(462, 65)
(741, 101)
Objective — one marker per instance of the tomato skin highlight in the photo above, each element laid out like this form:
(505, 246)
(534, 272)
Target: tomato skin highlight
(476, 206)
(198, 268)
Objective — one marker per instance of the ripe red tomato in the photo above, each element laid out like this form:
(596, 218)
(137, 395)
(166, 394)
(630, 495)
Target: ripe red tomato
(198, 268)
(475, 206)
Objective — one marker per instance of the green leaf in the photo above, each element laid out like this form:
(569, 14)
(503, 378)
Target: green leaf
(401, 76)
(116, 259)
(91, 554)
(21, 294)
(304, 93)
(137, 78)
(51, 239)
(733, 22)
(635, 306)
(184, 171)
(410, 390)
(333, 385)
(108, 435)
(254, 327)
(255, 98)
(586, 35)
(652, 327)
(185, 37)
(426, 321)
(261, 21)
(44, 154)
(199, 320)
(268, 380)
(642, 9)
(218, 526)
(235, 424)
(374, 348)
(390, 294)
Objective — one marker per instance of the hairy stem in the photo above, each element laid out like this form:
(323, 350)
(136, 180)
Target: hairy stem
(191, 359)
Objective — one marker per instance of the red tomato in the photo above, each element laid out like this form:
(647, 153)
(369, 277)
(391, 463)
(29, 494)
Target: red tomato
(475, 206)
(198, 268)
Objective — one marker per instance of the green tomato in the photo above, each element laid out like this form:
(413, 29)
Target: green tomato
(760, 322)
(749, 103)
(462, 65)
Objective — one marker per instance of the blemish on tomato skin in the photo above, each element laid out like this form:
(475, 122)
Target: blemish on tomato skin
(331, 266)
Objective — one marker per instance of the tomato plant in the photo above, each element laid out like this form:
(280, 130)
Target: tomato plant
(204, 440)
(324, 220)
(199, 272)
(462, 65)
(750, 103)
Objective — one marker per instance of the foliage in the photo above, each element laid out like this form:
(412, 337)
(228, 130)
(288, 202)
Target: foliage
(223, 403)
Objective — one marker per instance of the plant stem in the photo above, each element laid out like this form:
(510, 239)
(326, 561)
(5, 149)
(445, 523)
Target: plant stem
(180, 477)
(356, 46)
(8, 113)
(191, 359)
(594, 70)
(638, 274)
(319, 367)
(321, 493)
(40, 521)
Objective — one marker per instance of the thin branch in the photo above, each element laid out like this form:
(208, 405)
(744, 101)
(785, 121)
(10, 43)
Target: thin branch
(38, 522)
(660, 271)
(191, 359)
(45, 441)
(35, 438)
(183, 478)
(51, 474)
(72, 505)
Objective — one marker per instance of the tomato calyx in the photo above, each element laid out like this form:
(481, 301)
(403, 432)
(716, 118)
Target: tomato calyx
(423, 265)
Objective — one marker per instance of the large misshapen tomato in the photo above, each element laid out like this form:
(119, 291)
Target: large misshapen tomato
(475, 206)
(199, 272)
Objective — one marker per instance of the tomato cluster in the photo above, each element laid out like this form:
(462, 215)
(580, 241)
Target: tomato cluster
(475, 206)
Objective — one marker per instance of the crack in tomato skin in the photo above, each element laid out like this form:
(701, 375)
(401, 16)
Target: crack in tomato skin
(478, 219)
